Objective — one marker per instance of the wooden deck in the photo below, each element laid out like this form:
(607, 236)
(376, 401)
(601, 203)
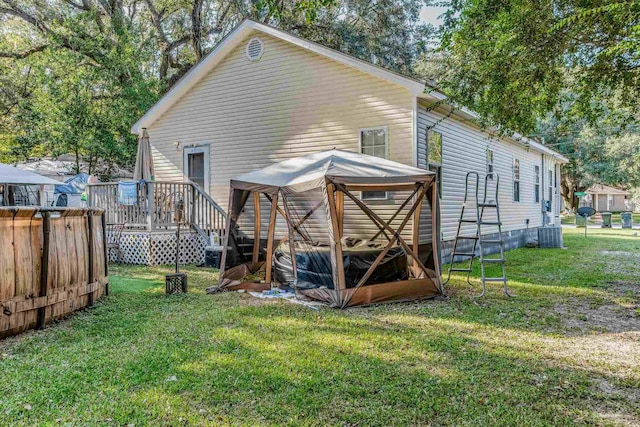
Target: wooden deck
(155, 209)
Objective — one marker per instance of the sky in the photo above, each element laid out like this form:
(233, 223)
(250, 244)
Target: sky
(430, 14)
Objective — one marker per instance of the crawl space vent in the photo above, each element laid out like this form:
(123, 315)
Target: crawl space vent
(255, 48)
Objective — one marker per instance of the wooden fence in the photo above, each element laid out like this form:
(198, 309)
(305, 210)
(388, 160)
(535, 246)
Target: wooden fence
(52, 262)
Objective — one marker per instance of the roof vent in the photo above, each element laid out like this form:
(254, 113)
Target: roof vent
(254, 49)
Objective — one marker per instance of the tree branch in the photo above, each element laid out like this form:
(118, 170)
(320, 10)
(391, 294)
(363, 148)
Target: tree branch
(25, 54)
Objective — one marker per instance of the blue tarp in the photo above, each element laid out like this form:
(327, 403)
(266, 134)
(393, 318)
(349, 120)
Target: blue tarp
(74, 185)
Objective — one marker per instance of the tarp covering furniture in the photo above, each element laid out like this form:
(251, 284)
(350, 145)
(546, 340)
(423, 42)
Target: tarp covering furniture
(287, 224)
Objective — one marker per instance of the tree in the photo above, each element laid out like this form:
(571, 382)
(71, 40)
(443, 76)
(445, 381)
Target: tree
(604, 152)
(510, 60)
(80, 72)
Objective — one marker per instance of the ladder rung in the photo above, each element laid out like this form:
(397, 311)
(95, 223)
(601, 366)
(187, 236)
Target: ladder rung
(494, 260)
(468, 237)
(491, 241)
(469, 220)
(490, 223)
(461, 269)
(495, 279)
(464, 254)
(487, 205)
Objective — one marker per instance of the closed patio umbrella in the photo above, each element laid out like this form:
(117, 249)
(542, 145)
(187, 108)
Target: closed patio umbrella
(144, 162)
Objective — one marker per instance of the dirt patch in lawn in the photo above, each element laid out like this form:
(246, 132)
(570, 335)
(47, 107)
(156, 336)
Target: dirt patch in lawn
(580, 316)
(628, 254)
(625, 288)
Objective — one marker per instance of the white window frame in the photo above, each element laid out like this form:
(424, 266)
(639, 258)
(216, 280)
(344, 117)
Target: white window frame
(490, 164)
(518, 180)
(536, 184)
(195, 149)
(550, 189)
(437, 165)
(386, 155)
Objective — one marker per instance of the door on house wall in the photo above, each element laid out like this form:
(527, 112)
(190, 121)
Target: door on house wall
(602, 205)
(196, 166)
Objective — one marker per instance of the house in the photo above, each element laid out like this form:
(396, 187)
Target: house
(263, 95)
(609, 199)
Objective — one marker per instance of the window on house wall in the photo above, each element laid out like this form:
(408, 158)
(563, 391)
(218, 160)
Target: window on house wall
(434, 156)
(490, 163)
(374, 142)
(536, 184)
(434, 147)
(516, 180)
(550, 198)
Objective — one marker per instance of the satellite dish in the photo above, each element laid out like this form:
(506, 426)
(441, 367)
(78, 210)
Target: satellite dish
(586, 211)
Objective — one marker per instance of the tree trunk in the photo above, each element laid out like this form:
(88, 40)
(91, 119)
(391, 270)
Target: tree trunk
(196, 29)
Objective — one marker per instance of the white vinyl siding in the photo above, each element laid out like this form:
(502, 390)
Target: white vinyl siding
(290, 103)
(464, 150)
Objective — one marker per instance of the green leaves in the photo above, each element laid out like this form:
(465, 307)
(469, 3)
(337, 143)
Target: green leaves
(513, 58)
(96, 66)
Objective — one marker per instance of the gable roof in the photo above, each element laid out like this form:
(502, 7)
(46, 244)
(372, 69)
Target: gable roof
(233, 39)
(418, 88)
(605, 189)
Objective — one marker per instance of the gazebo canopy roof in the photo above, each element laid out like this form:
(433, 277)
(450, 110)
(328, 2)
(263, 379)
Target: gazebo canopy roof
(16, 176)
(344, 167)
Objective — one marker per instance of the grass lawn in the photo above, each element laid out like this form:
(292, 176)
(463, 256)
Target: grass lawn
(566, 351)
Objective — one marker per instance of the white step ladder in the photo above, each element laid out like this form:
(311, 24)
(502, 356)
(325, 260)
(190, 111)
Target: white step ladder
(478, 240)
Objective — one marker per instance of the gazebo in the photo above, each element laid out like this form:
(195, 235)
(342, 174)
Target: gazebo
(309, 228)
(13, 179)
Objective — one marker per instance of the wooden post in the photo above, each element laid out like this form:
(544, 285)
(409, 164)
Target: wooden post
(106, 251)
(435, 229)
(335, 242)
(416, 238)
(151, 205)
(44, 267)
(270, 237)
(256, 228)
(193, 204)
(340, 212)
(91, 275)
(226, 237)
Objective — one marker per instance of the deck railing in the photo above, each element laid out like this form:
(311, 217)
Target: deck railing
(155, 208)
